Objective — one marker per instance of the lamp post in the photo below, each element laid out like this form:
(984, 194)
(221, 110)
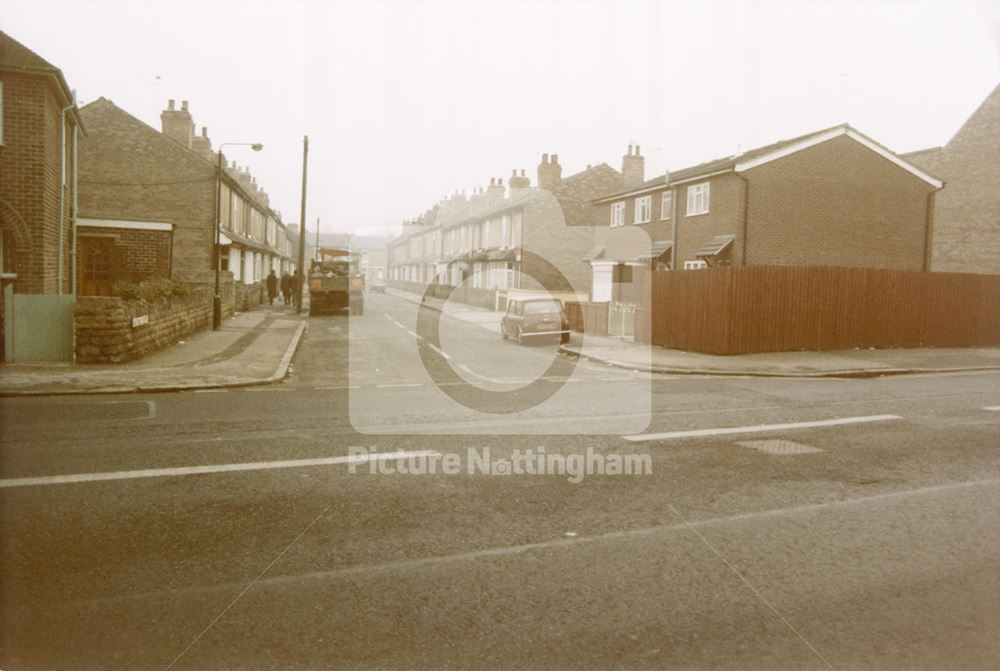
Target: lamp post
(217, 300)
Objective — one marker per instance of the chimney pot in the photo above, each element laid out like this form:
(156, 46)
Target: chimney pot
(545, 158)
(629, 150)
(637, 151)
(204, 131)
(170, 104)
(493, 180)
(184, 105)
(499, 181)
(522, 172)
(555, 158)
(513, 173)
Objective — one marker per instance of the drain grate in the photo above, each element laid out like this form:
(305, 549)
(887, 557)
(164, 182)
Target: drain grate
(779, 447)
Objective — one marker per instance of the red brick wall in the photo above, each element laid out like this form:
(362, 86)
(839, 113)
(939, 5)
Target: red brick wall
(130, 171)
(837, 204)
(140, 254)
(31, 184)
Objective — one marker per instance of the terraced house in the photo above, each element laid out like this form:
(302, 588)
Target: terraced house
(40, 126)
(834, 197)
(148, 209)
(510, 238)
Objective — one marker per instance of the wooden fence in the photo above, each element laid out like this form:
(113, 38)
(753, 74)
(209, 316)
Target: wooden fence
(738, 310)
(587, 317)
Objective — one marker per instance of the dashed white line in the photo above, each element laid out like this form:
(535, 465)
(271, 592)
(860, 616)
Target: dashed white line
(992, 408)
(760, 428)
(214, 468)
(418, 337)
(440, 351)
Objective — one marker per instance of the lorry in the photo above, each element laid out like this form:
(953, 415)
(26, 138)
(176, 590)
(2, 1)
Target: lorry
(336, 283)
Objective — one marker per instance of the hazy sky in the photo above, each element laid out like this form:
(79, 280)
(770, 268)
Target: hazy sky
(404, 102)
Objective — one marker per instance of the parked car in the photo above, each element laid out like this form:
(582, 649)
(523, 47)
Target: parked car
(377, 286)
(534, 320)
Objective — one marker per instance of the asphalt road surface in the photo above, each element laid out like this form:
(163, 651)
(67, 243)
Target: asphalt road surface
(785, 524)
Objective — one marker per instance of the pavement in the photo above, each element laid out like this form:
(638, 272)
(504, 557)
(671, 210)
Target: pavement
(251, 348)
(630, 355)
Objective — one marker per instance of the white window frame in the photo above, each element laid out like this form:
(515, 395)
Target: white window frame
(698, 196)
(699, 264)
(645, 205)
(666, 205)
(618, 214)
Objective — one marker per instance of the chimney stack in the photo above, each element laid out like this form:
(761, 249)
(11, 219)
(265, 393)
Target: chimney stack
(177, 125)
(549, 172)
(633, 167)
(202, 145)
(519, 185)
(495, 191)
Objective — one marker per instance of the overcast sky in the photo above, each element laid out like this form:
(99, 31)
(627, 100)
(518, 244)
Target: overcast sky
(405, 102)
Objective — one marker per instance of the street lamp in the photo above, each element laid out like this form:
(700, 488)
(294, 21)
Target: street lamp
(217, 300)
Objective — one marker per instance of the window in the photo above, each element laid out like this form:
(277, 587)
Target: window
(667, 205)
(618, 214)
(643, 209)
(697, 199)
(695, 265)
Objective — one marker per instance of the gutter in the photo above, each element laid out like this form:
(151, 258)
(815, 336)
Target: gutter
(74, 213)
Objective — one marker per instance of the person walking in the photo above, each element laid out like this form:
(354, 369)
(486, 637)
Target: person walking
(286, 287)
(272, 286)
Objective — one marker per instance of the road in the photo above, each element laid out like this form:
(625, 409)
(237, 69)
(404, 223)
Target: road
(224, 530)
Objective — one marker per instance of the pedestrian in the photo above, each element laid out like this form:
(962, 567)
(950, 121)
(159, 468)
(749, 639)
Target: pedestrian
(297, 288)
(272, 286)
(286, 287)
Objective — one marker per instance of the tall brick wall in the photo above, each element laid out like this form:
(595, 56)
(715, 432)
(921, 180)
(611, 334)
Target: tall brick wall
(31, 185)
(966, 236)
(104, 331)
(837, 204)
(131, 171)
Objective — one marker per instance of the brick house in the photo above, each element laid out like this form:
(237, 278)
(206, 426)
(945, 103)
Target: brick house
(148, 203)
(39, 128)
(830, 198)
(967, 210)
(515, 238)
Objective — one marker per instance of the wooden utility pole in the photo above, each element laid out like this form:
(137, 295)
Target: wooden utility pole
(302, 229)
(317, 235)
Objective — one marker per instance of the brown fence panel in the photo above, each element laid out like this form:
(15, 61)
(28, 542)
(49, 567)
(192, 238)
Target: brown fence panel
(777, 308)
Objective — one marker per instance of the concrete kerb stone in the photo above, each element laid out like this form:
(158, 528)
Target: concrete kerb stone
(280, 373)
(845, 373)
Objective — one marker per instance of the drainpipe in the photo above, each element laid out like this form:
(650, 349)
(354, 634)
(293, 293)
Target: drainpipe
(746, 215)
(673, 229)
(73, 210)
(62, 198)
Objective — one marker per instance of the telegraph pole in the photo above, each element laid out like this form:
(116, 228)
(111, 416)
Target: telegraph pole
(302, 229)
(317, 234)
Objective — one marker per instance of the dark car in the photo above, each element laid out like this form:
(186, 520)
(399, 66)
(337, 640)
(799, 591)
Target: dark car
(535, 320)
(377, 286)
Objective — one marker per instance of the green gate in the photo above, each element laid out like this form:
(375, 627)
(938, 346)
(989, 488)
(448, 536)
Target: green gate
(38, 327)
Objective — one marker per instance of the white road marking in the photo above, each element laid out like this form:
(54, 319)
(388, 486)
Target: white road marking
(150, 408)
(399, 385)
(388, 316)
(440, 351)
(481, 377)
(571, 542)
(759, 428)
(202, 470)
(992, 408)
(418, 337)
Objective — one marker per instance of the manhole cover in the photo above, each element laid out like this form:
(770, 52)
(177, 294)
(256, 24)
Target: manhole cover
(780, 447)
